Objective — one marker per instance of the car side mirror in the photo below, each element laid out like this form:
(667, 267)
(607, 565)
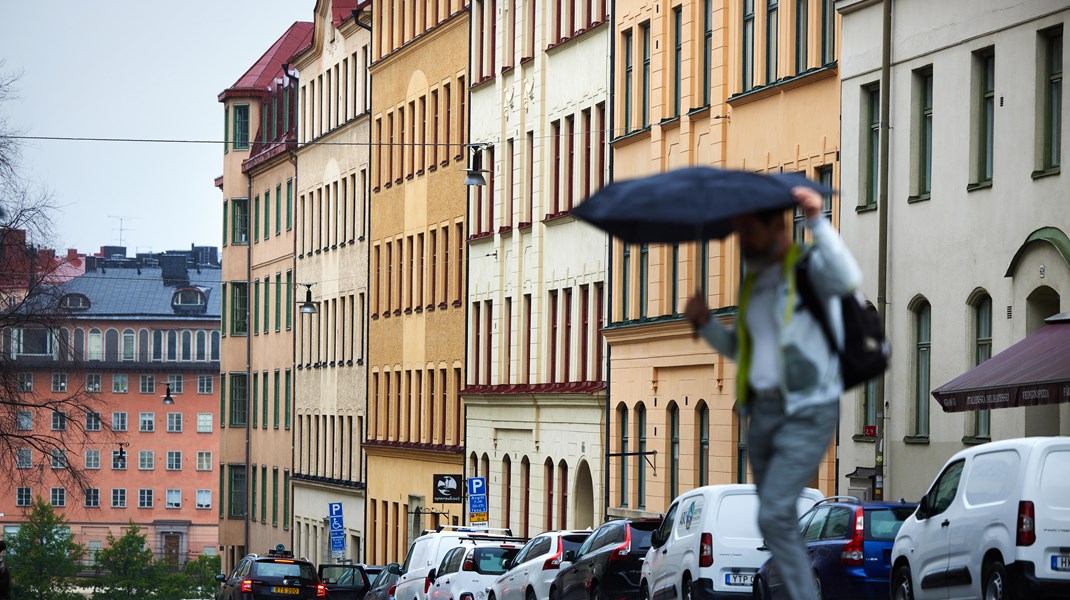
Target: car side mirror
(655, 538)
(220, 577)
(923, 507)
(394, 568)
(431, 575)
(570, 556)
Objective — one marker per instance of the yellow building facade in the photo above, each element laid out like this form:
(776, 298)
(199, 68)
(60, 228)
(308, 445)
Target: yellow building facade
(417, 273)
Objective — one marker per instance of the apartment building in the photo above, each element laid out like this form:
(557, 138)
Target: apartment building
(332, 197)
(535, 383)
(257, 382)
(417, 274)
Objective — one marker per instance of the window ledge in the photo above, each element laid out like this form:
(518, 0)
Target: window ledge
(408, 311)
(631, 136)
(430, 307)
(432, 168)
(507, 69)
(1048, 172)
(698, 112)
(527, 60)
(375, 316)
(920, 440)
(980, 185)
(918, 198)
(442, 305)
(866, 208)
(456, 304)
(670, 123)
(481, 81)
(973, 440)
(869, 439)
(397, 312)
(559, 216)
(386, 186)
(475, 237)
(524, 225)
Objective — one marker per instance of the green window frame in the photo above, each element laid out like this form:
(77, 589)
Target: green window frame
(645, 77)
(267, 304)
(873, 119)
(274, 496)
(226, 148)
(802, 38)
(922, 367)
(239, 399)
(772, 41)
(237, 493)
(264, 122)
(239, 308)
(628, 81)
(747, 53)
(625, 286)
(278, 209)
(674, 450)
(275, 116)
(222, 490)
(1053, 98)
(255, 396)
(239, 228)
(222, 405)
(289, 204)
(256, 307)
(678, 61)
(226, 222)
(674, 283)
(289, 300)
(278, 301)
(264, 400)
(286, 110)
(252, 501)
(986, 114)
(276, 399)
(925, 132)
(640, 491)
(285, 499)
(982, 308)
(707, 50)
(223, 311)
(241, 126)
(267, 213)
(288, 381)
(703, 445)
(624, 456)
(828, 32)
(256, 218)
(263, 493)
(644, 268)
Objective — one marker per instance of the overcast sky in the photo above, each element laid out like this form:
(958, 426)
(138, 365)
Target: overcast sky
(132, 69)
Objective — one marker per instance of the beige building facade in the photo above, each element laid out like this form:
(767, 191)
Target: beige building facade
(535, 386)
(417, 272)
(256, 382)
(331, 234)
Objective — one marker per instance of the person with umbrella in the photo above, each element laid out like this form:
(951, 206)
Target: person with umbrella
(788, 377)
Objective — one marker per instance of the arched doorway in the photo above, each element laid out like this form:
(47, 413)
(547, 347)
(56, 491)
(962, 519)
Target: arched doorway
(583, 498)
(1040, 304)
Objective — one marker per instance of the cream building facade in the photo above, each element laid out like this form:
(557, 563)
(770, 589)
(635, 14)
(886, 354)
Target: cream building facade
(256, 381)
(331, 349)
(535, 383)
(417, 272)
(977, 222)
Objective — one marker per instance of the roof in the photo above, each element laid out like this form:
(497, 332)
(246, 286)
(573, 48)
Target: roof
(342, 10)
(269, 66)
(1032, 372)
(132, 293)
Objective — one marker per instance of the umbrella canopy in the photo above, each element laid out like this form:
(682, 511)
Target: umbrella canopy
(693, 203)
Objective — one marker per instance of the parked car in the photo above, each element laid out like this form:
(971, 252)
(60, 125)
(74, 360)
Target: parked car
(344, 581)
(709, 544)
(994, 524)
(385, 583)
(533, 569)
(467, 571)
(274, 575)
(426, 552)
(606, 566)
(850, 547)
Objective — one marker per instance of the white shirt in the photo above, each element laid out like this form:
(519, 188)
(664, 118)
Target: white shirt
(761, 323)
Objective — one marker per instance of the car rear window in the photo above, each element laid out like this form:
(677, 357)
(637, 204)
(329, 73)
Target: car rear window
(491, 561)
(572, 542)
(881, 524)
(641, 535)
(285, 569)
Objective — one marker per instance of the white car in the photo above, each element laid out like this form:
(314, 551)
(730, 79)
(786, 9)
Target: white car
(534, 568)
(426, 552)
(467, 571)
(709, 545)
(994, 524)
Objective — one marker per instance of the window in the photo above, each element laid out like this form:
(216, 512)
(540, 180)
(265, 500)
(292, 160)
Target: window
(147, 384)
(146, 460)
(239, 299)
(674, 450)
(144, 498)
(174, 422)
(118, 421)
(625, 275)
(645, 79)
(678, 60)
(174, 499)
(241, 127)
(204, 422)
(205, 384)
(872, 98)
(627, 84)
(59, 497)
(59, 382)
(174, 460)
(146, 422)
(238, 399)
(982, 312)
(92, 421)
(92, 382)
(92, 498)
(128, 344)
(118, 498)
(22, 496)
(92, 459)
(118, 460)
(640, 492)
(703, 450)
(707, 50)
(58, 459)
(922, 357)
(923, 79)
(828, 32)
(24, 458)
(120, 383)
(204, 498)
(176, 383)
(286, 397)
(59, 421)
(24, 420)
(801, 35)
(771, 39)
(204, 460)
(239, 220)
(622, 418)
(25, 382)
(748, 46)
(1052, 113)
(644, 270)
(985, 76)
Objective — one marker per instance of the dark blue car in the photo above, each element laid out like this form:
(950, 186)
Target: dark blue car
(850, 546)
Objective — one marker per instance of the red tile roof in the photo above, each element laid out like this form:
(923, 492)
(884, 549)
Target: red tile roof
(342, 10)
(259, 77)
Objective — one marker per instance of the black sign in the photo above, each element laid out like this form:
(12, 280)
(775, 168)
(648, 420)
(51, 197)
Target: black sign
(448, 489)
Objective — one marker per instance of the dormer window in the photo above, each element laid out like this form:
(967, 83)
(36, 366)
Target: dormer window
(188, 297)
(74, 302)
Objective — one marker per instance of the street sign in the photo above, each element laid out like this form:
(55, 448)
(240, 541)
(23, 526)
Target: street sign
(478, 520)
(477, 504)
(336, 529)
(447, 489)
(338, 544)
(477, 486)
(336, 524)
(334, 509)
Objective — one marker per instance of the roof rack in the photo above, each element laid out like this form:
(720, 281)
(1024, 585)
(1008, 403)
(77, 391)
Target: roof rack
(854, 499)
(460, 529)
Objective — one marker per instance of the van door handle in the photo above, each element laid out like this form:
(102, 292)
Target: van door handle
(665, 551)
(945, 523)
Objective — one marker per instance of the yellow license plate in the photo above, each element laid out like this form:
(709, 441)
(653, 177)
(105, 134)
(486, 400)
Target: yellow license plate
(286, 590)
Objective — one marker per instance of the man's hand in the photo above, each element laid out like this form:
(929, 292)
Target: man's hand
(696, 311)
(810, 201)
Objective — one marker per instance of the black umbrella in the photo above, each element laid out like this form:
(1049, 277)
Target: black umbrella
(693, 203)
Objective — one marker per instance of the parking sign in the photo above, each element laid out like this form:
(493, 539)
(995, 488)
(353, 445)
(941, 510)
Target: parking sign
(477, 486)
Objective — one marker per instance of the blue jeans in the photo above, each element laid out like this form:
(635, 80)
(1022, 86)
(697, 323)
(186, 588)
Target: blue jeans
(785, 451)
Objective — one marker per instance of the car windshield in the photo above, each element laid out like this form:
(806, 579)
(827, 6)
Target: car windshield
(491, 561)
(881, 524)
(386, 578)
(573, 541)
(285, 569)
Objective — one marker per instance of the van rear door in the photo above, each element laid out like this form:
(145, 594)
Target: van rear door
(1052, 512)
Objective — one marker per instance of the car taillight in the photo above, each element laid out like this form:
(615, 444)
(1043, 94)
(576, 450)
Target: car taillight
(469, 563)
(466, 596)
(554, 562)
(705, 550)
(247, 585)
(853, 552)
(1027, 533)
(390, 591)
(427, 584)
(621, 552)
(321, 592)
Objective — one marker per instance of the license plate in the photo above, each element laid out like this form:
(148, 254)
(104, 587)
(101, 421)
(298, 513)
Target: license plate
(286, 590)
(739, 579)
(1060, 562)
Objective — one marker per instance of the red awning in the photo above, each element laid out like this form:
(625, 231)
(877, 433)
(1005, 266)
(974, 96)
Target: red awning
(1034, 371)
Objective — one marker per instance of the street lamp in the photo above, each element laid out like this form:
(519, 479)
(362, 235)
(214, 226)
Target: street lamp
(308, 307)
(167, 399)
(475, 173)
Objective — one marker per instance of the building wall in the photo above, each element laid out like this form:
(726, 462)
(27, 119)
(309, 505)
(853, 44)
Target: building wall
(416, 328)
(975, 230)
(528, 255)
(332, 254)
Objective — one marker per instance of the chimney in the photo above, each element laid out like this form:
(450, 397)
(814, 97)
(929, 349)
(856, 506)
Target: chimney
(174, 271)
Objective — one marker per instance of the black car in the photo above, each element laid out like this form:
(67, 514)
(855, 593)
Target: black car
(384, 584)
(271, 577)
(344, 581)
(607, 565)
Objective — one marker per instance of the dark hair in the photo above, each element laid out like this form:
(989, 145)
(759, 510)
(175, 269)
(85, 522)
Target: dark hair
(769, 215)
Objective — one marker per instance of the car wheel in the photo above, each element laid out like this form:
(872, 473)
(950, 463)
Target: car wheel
(687, 591)
(996, 585)
(759, 590)
(644, 593)
(530, 595)
(596, 592)
(553, 594)
(902, 587)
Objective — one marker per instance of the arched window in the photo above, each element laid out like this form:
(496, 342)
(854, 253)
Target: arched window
(96, 346)
(74, 302)
(507, 490)
(202, 345)
(525, 489)
(129, 346)
(982, 351)
(143, 345)
(473, 465)
(622, 418)
(215, 345)
(674, 450)
(484, 467)
(157, 345)
(640, 425)
(703, 448)
(111, 345)
(64, 344)
(548, 500)
(172, 346)
(187, 346)
(562, 494)
(922, 362)
(79, 344)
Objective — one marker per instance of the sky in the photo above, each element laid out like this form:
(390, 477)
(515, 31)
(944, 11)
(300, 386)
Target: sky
(131, 69)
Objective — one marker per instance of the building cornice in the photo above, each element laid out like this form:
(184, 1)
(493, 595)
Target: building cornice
(424, 452)
(849, 6)
(457, 19)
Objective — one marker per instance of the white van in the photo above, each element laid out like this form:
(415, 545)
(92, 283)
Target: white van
(994, 524)
(709, 544)
(427, 551)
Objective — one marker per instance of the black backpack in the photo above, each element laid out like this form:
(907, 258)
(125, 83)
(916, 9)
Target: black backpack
(865, 350)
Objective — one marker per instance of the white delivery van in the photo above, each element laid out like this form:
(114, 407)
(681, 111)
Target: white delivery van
(709, 544)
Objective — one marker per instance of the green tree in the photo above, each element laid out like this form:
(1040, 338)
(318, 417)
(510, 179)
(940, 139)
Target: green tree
(42, 558)
(201, 574)
(125, 568)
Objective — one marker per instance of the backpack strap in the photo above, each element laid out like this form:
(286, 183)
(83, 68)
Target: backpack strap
(811, 302)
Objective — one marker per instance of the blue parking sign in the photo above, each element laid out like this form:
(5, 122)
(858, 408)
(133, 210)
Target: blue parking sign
(477, 486)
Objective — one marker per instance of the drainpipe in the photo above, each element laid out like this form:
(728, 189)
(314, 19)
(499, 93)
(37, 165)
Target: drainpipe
(248, 351)
(293, 338)
(882, 236)
(609, 259)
